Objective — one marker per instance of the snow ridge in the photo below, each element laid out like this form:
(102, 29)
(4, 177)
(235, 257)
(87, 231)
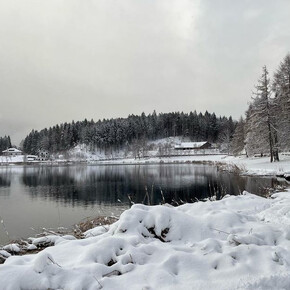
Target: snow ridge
(235, 243)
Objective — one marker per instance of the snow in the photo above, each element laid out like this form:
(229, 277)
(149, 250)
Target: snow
(162, 151)
(190, 144)
(12, 248)
(247, 166)
(12, 150)
(239, 242)
(261, 165)
(4, 253)
(11, 159)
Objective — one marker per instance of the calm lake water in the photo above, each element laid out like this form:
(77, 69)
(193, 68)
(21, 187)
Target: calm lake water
(53, 196)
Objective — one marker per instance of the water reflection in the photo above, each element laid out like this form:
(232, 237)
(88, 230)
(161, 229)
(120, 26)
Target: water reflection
(5, 179)
(85, 185)
(44, 196)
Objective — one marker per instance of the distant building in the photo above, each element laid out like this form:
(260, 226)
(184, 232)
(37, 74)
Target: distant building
(43, 155)
(12, 152)
(31, 157)
(193, 146)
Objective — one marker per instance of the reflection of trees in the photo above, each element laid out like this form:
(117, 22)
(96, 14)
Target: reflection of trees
(65, 185)
(107, 184)
(5, 178)
(260, 186)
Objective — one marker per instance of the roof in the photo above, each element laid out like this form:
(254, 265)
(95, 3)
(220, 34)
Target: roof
(11, 150)
(191, 144)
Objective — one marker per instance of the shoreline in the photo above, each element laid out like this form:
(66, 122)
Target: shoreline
(36, 244)
(246, 166)
(22, 246)
(48, 238)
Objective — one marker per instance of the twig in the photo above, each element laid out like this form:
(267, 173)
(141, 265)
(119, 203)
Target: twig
(129, 197)
(147, 194)
(162, 195)
(220, 231)
(152, 193)
(101, 286)
(115, 272)
(50, 232)
(53, 262)
(5, 229)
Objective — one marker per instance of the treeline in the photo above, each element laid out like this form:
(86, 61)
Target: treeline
(5, 143)
(265, 130)
(114, 134)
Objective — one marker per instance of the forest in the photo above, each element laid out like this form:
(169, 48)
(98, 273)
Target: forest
(5, 142)
(114, 134)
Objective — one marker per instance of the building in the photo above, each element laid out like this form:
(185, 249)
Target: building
(43, 155)
(12, 152)
(31, 157)
(193, 146)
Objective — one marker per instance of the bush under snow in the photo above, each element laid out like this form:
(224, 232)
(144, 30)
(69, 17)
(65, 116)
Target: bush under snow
(240, 242)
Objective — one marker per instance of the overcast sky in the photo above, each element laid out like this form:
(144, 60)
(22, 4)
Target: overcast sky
(64, 60)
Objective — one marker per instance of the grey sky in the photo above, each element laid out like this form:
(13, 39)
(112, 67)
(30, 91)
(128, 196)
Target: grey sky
(74, 59)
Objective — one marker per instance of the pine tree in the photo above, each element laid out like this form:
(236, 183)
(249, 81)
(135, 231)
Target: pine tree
(237, 144)
(281, 88)
(260, 119)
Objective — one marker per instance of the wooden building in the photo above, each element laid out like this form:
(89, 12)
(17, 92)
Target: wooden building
(193, 146)
(12, 152)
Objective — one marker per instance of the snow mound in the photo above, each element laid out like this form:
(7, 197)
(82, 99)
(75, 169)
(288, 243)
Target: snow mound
(240, 242)
(12, 248)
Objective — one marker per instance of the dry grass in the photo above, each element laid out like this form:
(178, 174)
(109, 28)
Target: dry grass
(77, 231)
(90, 223)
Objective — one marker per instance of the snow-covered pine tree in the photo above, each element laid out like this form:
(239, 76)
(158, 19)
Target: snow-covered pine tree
(281, 88)
(238, 141)
(114, 134)
(5, 143)
(260, 127)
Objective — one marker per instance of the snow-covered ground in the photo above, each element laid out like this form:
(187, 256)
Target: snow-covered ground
(163, 147)
(261, 165)
(162, 151)
(250, 166)
(11, 159)
(240, 242)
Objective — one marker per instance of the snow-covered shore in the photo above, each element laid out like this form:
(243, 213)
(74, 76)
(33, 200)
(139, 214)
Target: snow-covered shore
(239, 242)
(247, 166)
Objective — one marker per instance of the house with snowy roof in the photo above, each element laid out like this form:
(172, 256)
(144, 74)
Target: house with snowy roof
(193, 146)
(12, 152)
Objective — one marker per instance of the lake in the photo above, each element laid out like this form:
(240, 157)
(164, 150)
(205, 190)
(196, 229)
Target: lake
(36, 197)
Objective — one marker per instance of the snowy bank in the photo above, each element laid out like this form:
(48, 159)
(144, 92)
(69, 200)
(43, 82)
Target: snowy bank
(240, 242)
(241, 164)
(248, 166)
(162, 151)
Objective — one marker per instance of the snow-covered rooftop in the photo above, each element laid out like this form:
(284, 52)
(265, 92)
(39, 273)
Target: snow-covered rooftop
(12, 150)
(191, 144)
